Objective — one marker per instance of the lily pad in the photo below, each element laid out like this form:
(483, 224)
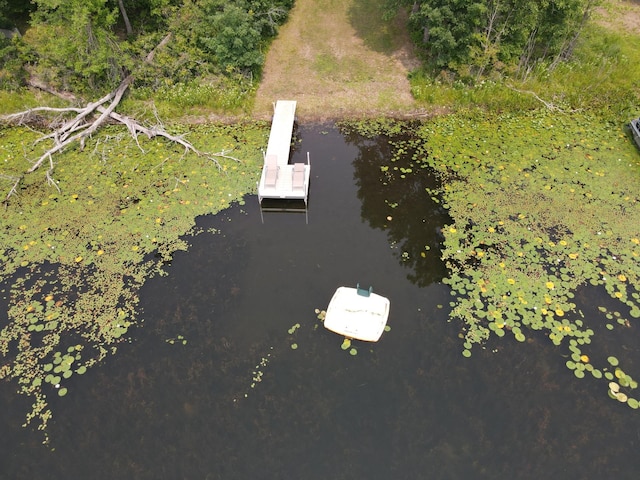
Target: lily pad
(622, 397)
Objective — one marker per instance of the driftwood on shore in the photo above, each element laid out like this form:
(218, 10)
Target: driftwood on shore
(85, 121)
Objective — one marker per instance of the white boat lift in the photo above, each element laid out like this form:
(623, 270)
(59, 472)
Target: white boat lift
(279, 179)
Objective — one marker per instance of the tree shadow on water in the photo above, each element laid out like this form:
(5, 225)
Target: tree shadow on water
(392, 187)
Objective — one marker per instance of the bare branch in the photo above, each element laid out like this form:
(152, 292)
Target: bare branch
(549, 105)
(150, 132)
(26, 116)
(84, 124)
(125, 17)
(49, 175)
(84, 113)
(13, 190)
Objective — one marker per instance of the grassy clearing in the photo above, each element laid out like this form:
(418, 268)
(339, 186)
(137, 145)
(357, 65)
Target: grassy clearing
(338, 59)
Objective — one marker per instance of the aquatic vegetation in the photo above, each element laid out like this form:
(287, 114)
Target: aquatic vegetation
(291, 332)
(179, 339)
(293, 329)
(544, 207)
(258, 372)
(74, 255)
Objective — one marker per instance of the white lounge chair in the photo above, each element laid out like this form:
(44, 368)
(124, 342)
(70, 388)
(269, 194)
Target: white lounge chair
(271, 174)
(298, 176)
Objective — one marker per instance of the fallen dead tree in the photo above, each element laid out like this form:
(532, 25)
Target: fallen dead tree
(87, 120)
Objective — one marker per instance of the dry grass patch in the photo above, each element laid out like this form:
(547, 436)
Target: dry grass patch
(620, 15)
(339, 59)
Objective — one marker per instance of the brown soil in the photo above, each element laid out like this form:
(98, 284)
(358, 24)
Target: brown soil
(621, 15)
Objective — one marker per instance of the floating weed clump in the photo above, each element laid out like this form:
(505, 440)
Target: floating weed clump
(542, 205)
(258, 373)
(74, 255)
(622, 386)
(291, 332)
(293, 329)
(179, 339)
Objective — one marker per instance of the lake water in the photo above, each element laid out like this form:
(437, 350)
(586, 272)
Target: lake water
(237, 402)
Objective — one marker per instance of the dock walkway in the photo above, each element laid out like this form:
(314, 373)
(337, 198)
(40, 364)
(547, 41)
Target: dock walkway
(280, 179)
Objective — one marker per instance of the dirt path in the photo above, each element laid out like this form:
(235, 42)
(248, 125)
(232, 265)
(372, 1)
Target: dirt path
(338, 59)
(620, 15)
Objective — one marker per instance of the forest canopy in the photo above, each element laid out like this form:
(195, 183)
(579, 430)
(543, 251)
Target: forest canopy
(90, 45)
(479, 36)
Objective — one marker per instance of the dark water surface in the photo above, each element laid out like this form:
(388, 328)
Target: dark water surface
(408, 407)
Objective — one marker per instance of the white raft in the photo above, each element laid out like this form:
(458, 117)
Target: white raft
(357, 313)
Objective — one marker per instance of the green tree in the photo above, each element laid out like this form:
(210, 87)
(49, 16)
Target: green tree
(91, 45)
(480, 35)
(14, 13)
(233, 34)
(3, 14)
(232, 37)
(71, 44)
(446, 29)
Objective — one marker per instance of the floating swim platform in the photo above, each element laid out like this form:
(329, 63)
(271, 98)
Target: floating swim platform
(357, 313)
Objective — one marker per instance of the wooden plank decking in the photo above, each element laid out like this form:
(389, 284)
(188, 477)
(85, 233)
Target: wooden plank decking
(281, 130)
(279, 179)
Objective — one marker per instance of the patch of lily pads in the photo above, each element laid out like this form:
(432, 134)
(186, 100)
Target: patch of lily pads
(75, 252)
(542, 205)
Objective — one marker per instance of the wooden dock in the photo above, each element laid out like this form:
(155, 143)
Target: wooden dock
(280, 179)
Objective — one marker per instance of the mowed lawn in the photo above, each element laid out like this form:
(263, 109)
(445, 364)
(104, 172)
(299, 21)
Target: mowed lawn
(339, 59)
